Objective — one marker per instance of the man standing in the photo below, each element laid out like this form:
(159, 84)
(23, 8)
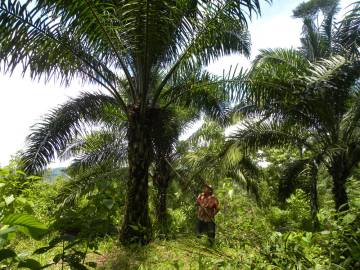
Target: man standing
(208, 208)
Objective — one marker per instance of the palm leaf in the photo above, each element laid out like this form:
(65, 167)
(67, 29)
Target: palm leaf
(199, 40)
(86, 180)
(27, 224)
(348, 31)
(59, 128)
(288, 180)
(256, 135)
(55, 45)
(105, 146)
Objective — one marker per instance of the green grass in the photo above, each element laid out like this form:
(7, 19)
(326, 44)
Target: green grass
(246, 239)
(183, 253)
(186, 252)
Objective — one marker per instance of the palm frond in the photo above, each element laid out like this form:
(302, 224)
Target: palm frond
(106, 41)
(324, 70)
(275, 76)
(200, 42)
(289, 58)
(316, 43)
(49, 43)
(209, 132)
(247, 165)
(61, 127)
(251, 185)
(87, 181)
(166, 131)
(327, 26)
(311, 8)
(288, 180)
(252, 135)
(347, 34)
(331, 81)
(243, 170)
(350, 123)
(105, 146)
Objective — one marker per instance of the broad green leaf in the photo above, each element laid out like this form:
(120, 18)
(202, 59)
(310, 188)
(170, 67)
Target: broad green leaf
(20, 172)
(51, 245)
(78, 266)
(349, 218)
(33, 177)
(6, 253)
(6, 232)
(134, 227)
(21, 199)
(27, 224)
(57, 258)
(30, 264)
(9, 199)
(231, 193)
(109, 203)
(356, 203)
(43, 250)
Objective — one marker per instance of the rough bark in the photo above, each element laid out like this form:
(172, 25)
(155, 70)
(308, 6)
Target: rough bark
(161, 182)
(314, 204)
(339, 192)
(136, 225)
(339, 174)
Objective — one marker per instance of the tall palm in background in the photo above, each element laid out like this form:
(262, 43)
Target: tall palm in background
(319, 38)
(122, 46)
(202, 159)
(309, 98)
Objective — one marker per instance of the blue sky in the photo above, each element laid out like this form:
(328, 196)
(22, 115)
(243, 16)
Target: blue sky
(23, 102)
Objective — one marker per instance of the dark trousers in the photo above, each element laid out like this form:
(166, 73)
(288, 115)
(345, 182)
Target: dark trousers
(208, 228)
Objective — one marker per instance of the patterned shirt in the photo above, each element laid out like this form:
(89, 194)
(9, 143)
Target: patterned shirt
(208, 207)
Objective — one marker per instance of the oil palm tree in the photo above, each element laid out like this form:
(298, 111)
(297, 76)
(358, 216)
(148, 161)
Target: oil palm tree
(319, 37)
(92, 129)
(122, 46)
(311, 93)
(322, 35)
(108, 147)
(202, 159)
(311, 106)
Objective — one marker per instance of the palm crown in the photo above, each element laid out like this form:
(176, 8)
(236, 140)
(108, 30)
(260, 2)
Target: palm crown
(122, 44)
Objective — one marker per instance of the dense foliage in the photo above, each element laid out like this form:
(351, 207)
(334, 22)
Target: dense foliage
(275, 236)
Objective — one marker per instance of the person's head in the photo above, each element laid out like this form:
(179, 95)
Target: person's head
(207, 189)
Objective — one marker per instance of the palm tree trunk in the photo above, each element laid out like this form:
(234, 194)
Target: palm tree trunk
(161, 183)
(339, 192)
(136, 225)
(339, 174)
(314, 204)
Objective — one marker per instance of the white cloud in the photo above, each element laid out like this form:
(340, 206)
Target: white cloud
(277, 32)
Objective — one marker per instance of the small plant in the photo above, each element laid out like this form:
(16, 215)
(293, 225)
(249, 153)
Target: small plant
(13, 184)
(72, 252)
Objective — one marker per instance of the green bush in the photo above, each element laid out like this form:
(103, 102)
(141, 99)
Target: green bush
(14, 188)
(294, 216)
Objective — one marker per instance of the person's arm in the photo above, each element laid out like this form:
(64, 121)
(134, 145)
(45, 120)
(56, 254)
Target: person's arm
(217, 206)
(198, 199)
